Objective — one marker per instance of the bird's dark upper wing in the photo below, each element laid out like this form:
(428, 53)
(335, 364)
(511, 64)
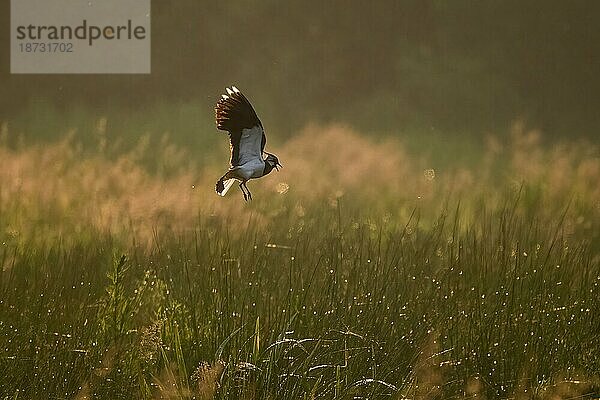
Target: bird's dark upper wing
(234, 113)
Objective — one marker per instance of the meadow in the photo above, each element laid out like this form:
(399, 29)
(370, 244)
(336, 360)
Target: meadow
(369, 267)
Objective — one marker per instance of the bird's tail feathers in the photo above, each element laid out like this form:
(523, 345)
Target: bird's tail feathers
(224, 185)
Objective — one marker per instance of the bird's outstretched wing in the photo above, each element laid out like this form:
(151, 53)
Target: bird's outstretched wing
(234, 113)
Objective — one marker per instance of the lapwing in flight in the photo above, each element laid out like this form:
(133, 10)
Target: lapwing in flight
(249, 160)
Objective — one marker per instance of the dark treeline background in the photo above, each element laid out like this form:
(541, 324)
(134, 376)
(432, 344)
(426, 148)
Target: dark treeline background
(455, 66)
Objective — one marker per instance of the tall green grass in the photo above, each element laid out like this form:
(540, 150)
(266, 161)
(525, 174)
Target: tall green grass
(117, 282)
(337, 310)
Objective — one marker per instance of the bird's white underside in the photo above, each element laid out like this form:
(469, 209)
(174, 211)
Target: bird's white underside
(250, 163)
(250, 145)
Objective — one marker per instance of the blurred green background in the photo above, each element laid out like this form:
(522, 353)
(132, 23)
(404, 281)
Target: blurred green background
(439, 67)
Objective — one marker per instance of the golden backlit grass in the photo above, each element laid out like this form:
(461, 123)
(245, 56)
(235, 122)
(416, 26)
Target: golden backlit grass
(60, 186)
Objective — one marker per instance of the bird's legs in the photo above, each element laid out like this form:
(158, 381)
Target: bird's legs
(248, 191)
(245, 191)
